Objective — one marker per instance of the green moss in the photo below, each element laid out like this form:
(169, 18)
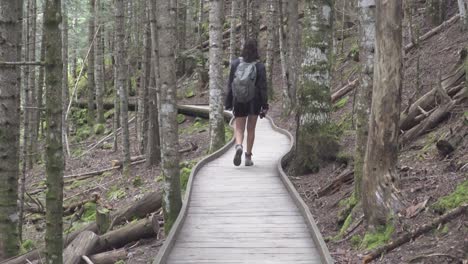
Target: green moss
(378, 238)
(76, 184)
(356, 240)
(349, 202)
(341, 103)
(109, 114)
(83, 132)
(137, 181)
(453, 200)
(184, 177)
(189, 93)
(107, 146)
(116, 193)
(228, 133)
(120, 262)
(443, 230)
(346, 225)
(181, 118)
(99, 129)
(28, 245)
(89, 214)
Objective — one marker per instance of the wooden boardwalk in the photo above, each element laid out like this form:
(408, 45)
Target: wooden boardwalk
(245, 214)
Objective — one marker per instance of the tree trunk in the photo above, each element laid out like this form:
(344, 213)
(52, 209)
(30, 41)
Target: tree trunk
(40, 85)
(436, 11)
(232, 38)
(33, 151)
(364, 90)
(380, 178)
(90, 70)
(10, 30)
(270, 52)
(244, 22)
(201, 15)
(65, 91)
(143, 113)
(168, 114)
(99, 59)
(74, 59)
(255, 18)
(315, 142)
(286, 102)
(109, 257)
(462, 6)
(82, 245)
(217, 137)
(153, 151)
(181, 36)
(294, 47)
(54, 149)
(122, 67)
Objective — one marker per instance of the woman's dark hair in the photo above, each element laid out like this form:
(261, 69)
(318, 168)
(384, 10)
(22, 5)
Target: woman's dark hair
(250, 51)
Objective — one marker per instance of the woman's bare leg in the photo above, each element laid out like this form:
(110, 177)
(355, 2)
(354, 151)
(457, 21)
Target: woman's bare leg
(239, 129)
(251, 124)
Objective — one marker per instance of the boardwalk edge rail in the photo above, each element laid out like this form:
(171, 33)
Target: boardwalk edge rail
(303, 208)
(165, 250)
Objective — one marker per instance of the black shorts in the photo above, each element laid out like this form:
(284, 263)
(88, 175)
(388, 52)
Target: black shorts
(246, 109)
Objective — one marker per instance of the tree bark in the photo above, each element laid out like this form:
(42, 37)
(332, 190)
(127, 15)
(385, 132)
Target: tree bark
(255, 17)
(122, 67)
(217, 137)
(168, 114)
(90, 70)
(153, 150)
(10, 30)
(99, 60)
(65, 91)
(201, 16)
(462, 6)
(244, 22)
(33, 151)
(181, 36)
(293, 48)
(110, 257)
(364, 90)
(314, 142)
(380, 178)
(82, 245)
(54, 148)
(143, 111)
(436, 11)
(286, 102)
(270, 52)
(232, 38)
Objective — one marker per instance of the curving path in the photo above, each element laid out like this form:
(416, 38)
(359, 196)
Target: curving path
(245, 214)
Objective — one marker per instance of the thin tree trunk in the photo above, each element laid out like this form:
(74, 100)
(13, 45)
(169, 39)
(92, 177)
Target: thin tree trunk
(54, 148)
(143, 100)
(217, 137)
(255, 17)
(293, 47)
(91, 81)
(286, 102)
(270, 45)
(65, 91)
(364, 90)
(40, 86)
(244, 22)
(33, 151)
(181, 35)
(10, 30)
(462, 6)
(122, 67)
(380, 178)
(315, 141)
(232, 38)
(168, 115)
(99, 59)
(74, 59)
(153, 151)
(436, 11)
(201, 15)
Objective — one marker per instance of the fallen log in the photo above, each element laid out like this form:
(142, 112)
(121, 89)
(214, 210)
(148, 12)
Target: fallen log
(331, 188)
(82, 245)
(109, 257)
(132, 232)
(86, 175)
(344, 90)
(452, 140)
(461, 210)
(432, 32)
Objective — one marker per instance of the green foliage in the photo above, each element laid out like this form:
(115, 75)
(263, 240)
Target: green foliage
(181, 118)
(99, 129)
(116, 193)
(185, 171)
(198, 126)
(107, 146)
(453, 200)
(347, 223)
(137, 181)
(378, 238)
(79, 116)
(28, 245)
(356, 240)
(228, 133)
(83, 132)
(89, 214)
(75, 184)
(189, 93)
(349, 202)
(109, 114)
(341, 103)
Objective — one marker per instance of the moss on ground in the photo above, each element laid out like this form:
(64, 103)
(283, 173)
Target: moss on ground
(453, 200)
(185, 171)
(137, 181)
(341, 103)
(99, 129)
(116, 193)
(377, 238)
(89, 214)
(228, 133)
(27, 245)
(83, 132)
(181, 118)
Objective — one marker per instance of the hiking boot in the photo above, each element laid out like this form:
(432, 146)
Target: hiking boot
(248, 159)
(238, 155)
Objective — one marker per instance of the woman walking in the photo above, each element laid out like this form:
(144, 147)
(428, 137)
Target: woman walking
(247, 97)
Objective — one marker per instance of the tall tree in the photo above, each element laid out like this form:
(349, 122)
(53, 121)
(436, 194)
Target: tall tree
(232, 38)
(181, 34)
(293, 47)
(315, 140)
(462, 6)
(286, 100)
(271, 28)
(255, 18)
(380, 179)
(90, 72)
(122, 67)
(364, 91)
(436, 11)
(153, 151)
(54, 149)
(168, 114)
(201, 19)
(143, 113)
(99, 61)
(32, 85)
(10, 32)
(244, 21)
(65, 91)
(217, 137)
